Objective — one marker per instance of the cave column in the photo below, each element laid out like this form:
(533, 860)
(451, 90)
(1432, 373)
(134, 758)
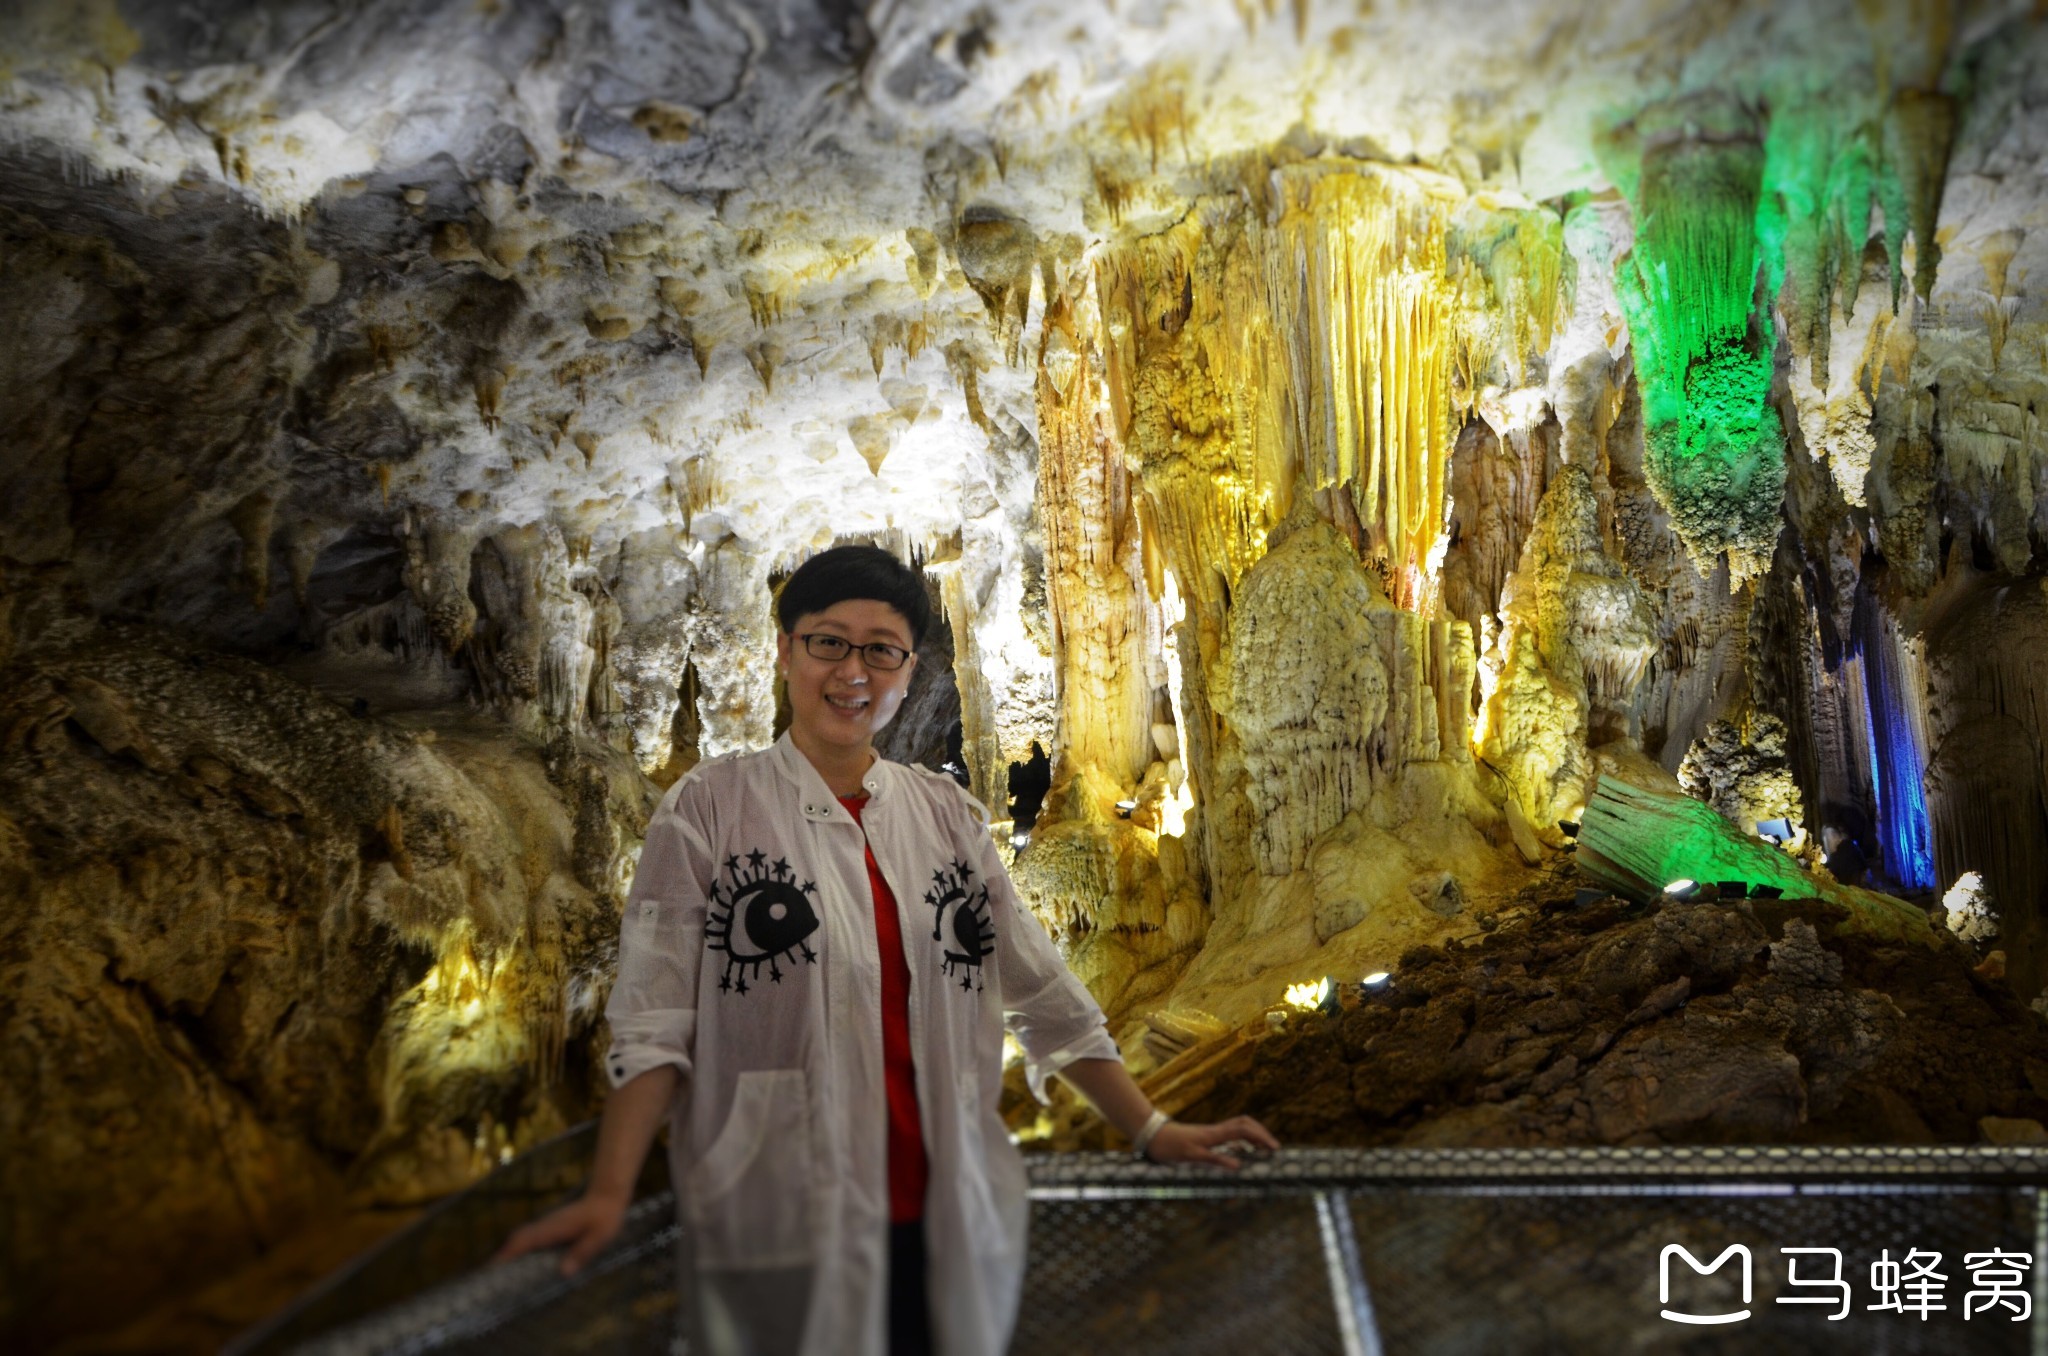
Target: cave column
(1094, 569)
(734, 651)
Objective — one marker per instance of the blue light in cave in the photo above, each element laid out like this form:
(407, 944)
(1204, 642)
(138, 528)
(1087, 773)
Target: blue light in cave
(1898, 766)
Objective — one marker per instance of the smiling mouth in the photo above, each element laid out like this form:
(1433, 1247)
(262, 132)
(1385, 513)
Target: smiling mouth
(850, 705)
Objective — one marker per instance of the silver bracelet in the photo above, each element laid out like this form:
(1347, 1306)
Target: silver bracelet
(1141, 1144)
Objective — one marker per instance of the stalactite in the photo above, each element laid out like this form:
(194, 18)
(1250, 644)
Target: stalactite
(1520, 254)
(1898, 746)
(1592, 620)
(1498, 476)
(650, 580)
(303, 544)
(1185, 345)
(1837, 701)
(1367, 330)
(600, 698)
(1819, 186)
(539, 644)
(1713, 442)
(1315, 349)
(1904, 479)
(996, 253)
(1918, 130)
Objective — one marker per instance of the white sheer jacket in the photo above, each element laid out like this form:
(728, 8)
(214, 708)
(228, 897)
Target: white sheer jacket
(748, 960)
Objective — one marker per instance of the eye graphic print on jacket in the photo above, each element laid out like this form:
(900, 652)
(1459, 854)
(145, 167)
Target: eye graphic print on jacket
(760, 916)
(962, 911)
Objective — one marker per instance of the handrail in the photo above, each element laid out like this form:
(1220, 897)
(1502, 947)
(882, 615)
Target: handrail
(415, 1309)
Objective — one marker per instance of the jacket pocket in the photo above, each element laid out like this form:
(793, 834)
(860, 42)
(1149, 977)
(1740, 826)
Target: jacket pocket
(750, 1195)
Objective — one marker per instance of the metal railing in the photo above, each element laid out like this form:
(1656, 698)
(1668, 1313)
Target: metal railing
(1350, 1253)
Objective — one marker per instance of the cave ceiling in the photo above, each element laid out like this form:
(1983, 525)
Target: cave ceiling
(772, 271)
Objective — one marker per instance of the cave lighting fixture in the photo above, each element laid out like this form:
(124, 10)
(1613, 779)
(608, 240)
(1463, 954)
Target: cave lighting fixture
(1018, 840)
(1309, 994)
(1124, 808)
(1681, 889)
(1776, 832)
(1967, 887)
(1375, 979)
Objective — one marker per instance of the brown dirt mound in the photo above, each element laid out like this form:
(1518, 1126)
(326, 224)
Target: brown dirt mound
(1615, 1023)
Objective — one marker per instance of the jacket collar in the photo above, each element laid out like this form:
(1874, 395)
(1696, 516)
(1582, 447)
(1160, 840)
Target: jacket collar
(815, 800)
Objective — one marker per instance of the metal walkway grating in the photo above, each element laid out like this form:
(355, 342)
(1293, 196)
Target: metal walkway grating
(1345, 1252)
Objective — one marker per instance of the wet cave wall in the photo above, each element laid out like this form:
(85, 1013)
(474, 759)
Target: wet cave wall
(1334, 439)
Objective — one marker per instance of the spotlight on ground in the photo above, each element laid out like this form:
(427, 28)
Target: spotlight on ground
(1681, 888)
(1308, 995)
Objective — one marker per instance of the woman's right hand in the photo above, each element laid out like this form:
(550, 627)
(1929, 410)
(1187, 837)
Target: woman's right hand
(585, 1224)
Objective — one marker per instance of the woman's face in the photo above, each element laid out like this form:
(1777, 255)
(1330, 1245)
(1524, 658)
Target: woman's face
(844, 703)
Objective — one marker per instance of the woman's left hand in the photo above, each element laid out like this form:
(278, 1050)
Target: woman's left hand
(1211, 1144)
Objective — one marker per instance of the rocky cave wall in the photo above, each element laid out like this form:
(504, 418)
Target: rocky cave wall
(1333, 440)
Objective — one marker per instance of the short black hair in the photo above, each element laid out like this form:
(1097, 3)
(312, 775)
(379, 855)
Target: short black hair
(844, 572)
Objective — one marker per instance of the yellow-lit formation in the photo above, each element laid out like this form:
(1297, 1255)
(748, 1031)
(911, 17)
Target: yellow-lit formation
(1368, 327)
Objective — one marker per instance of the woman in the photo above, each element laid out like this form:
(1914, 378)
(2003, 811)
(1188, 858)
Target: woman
(818, 960)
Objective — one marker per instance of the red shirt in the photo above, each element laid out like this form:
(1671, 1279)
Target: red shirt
(908, 1171)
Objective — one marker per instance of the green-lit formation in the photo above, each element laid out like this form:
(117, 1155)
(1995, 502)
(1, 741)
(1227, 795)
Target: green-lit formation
(1820, 176)
(1721, 204)
(1714, 446)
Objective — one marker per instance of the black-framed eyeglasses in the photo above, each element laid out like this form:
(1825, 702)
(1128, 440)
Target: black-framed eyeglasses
(832, 649)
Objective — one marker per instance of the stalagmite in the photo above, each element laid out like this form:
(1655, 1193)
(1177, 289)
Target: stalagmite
(437, 566)
(1578, 640)
(1307, 690)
